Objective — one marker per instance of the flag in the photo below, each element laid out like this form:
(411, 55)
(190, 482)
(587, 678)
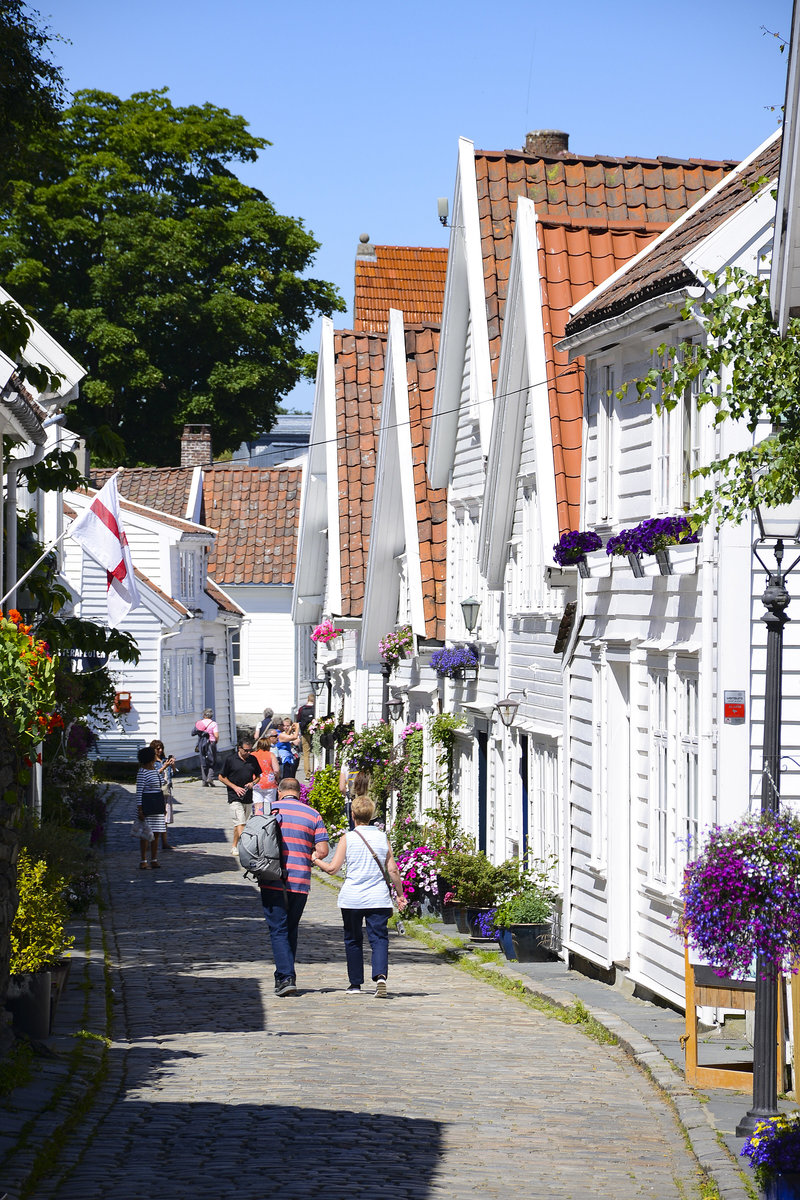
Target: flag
(99, 530)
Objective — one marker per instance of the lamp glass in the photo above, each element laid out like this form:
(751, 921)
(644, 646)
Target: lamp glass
(394, 708)
(470, 609)
(780, 520)
(317, 686)
(507, 710)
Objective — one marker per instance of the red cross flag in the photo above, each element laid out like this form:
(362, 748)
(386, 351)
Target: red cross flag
(99, 530)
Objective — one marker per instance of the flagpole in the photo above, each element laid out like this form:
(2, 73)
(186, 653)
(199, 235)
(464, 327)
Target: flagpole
(45, 553)
(39, 560)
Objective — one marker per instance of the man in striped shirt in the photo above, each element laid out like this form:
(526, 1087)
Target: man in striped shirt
(303, 834)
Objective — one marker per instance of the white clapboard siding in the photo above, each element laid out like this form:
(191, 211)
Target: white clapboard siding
(468, 470)
(267, 677)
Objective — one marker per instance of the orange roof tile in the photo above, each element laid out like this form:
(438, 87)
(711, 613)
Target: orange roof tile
(422, 348)
(162, 488)
(255, 512)
(410, 278)
(664, 270)
(573, 260)
(648, 194)
(359, 361)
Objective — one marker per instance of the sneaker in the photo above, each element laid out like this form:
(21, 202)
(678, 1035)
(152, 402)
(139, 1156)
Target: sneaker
(285, 987)
(354, 990)
(235, 851)
(380, 987)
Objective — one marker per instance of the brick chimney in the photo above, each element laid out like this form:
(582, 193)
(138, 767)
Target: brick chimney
(196, 446)
(547, 143)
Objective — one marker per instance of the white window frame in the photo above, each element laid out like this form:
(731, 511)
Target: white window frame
(600, 734)
(661, 742)
(544, 799)
(187, 574)
(688, 772)
(236, 653)
(677, 436)
(606, 441)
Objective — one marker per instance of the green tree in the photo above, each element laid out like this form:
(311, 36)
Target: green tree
(179, 287)
(748, 373)
(31, 85)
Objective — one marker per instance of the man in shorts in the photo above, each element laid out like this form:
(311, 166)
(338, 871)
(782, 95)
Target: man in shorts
(240, 772)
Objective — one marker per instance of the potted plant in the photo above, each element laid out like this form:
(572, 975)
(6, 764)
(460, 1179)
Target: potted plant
(38, 943)
(528, 919)
(774, 1152)
(395, 646)
(455, 662)
(326, 632)
(741, 896)
(475, 882)
(653, 536)
(571, 549)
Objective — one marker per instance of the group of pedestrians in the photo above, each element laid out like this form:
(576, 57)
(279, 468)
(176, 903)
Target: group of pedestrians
(254, 783)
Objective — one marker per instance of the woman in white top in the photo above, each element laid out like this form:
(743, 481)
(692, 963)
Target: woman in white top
(364, 896)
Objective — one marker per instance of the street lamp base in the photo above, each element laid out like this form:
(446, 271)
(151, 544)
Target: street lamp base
(748, 1123)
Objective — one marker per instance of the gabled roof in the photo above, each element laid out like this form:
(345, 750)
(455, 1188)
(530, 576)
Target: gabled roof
(164, 488)
(255, 513)
(410, 278)
(662, 269)
(146, 510)
(422, 348)
(573, 260)
(645, 193)
(222, 599)
(359, 359)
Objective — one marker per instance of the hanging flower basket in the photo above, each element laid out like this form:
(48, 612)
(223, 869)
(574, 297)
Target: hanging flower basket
(456, 663)
(654, 536)
(742, 895)
(572, 547)
(396, 645)
(326, 632)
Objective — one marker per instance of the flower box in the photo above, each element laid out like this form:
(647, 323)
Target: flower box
(599, 564)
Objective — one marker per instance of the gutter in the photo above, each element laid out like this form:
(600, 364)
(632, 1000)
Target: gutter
(574, 344)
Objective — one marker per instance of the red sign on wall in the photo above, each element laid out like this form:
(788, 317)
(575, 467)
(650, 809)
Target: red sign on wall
(733, 708)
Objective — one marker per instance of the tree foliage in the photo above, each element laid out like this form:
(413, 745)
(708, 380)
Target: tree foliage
(748, 373)
(31, 85)
(178, 286)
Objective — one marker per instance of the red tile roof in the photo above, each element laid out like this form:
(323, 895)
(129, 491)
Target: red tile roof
(255, 512)
(573, 260)
(663, 270)
(359, 361)
(422, 348)
(163, 488)
(598, 211)
(221, 599)
(410, 278)
(645, 193)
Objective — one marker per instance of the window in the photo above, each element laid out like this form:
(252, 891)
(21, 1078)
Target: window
(543, 799)
(689, 488)
(188, 574)
(599, 764)
(236, 652)
(605, 445)
(688, 770)
(659, 775)
(676, 451)
(177, 683)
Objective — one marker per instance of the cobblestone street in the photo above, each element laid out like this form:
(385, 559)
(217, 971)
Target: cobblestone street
(447, 1089)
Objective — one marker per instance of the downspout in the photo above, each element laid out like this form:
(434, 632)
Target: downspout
(707, 679)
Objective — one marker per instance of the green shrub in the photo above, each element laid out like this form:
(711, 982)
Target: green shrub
(68, 855)
(38, 937)
(327, 799)
(528, 908)
(472, 877)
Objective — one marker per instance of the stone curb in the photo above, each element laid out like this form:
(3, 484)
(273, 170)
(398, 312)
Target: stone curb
(694, 1117)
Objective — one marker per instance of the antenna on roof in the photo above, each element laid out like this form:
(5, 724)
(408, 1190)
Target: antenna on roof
(443, 204)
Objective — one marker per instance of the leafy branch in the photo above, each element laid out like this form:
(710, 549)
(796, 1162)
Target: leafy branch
(748, 373)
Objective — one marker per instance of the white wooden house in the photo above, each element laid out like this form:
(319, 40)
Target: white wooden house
(651, 759)
(506, 442)
(183, 627)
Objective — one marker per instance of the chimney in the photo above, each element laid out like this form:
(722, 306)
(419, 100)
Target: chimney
(196, 446)
(365, 251)
(547, 143)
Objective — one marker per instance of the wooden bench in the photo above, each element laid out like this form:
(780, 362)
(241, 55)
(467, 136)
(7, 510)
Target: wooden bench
(704, 988)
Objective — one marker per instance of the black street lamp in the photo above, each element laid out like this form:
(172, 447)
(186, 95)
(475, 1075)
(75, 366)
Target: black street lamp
(317, 686)
(777, 526)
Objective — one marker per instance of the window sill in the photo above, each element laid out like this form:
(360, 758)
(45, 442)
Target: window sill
(662, 892)
(598, 869)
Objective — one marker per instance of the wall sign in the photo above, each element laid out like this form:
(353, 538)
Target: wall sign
(733, 708)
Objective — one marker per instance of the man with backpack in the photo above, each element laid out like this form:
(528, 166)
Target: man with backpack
(303, 833)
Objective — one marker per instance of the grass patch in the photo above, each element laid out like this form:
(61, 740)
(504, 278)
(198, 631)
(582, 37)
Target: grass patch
(475, 965)
(16, 1069)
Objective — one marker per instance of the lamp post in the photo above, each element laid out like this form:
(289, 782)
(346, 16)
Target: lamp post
(777, 526)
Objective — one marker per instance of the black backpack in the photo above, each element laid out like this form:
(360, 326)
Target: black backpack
(261, 849)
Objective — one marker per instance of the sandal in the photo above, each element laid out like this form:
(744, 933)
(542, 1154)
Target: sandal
(144, 866)
(154, 864)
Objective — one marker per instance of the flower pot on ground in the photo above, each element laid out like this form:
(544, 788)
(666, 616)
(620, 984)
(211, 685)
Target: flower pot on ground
(459, 912)
(478, 925)
(29, 1001)
(448, 914)
(506, 944)
(527, 917)
(774, 1152)
(531, 942)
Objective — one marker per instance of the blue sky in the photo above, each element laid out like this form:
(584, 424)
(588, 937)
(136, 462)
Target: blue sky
(364, 104)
